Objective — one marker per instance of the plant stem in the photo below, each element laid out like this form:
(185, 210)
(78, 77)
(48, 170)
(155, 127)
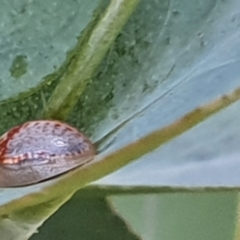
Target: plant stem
(73, 181)
(84, 63)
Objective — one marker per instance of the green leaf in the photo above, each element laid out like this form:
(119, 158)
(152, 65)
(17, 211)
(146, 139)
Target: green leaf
(91, 218)
(37, 39)
(179, 216)
(171, 58)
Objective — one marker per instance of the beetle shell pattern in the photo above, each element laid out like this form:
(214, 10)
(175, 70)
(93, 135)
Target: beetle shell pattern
(38, 150)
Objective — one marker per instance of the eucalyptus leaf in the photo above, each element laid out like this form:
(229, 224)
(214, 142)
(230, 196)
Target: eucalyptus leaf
(92, 218)
(171, 58)
(182, 216)
(37, 38)
(201, 62)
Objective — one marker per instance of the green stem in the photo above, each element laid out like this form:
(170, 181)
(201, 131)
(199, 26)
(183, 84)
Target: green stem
(84, 64)
(73, 181)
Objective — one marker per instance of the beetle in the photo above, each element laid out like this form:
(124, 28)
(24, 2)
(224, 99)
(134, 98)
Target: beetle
(38, 150)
